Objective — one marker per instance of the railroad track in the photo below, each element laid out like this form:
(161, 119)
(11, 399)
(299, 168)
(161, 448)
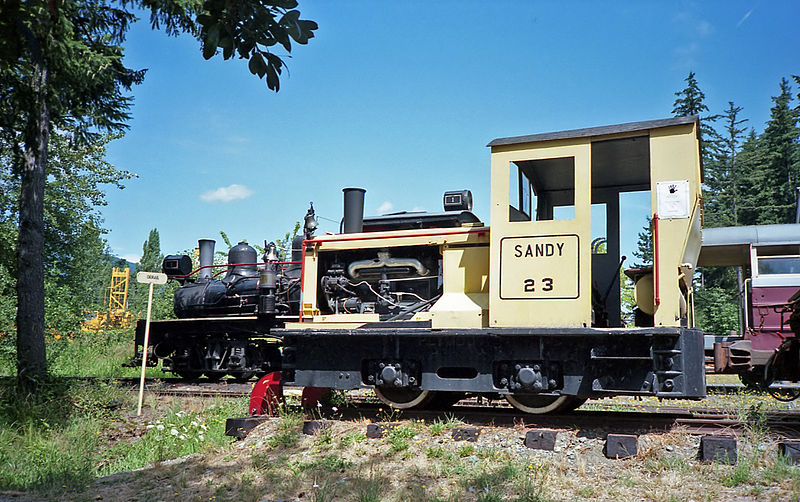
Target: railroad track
(479, 412)
(229, 387)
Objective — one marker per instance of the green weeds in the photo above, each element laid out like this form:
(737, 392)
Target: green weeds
(351, 439)
(657, 464)
(741, 473)
(73, 431)
(370, 488)
(399, 437)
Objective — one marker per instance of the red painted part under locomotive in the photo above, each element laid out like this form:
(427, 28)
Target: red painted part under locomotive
(769, 316)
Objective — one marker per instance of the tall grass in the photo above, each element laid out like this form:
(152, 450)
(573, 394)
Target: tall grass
(51, 439)
(175, 434)
(58, 439)
(95, 354)
(98, 354)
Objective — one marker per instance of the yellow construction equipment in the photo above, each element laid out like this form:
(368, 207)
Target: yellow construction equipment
(116, 297)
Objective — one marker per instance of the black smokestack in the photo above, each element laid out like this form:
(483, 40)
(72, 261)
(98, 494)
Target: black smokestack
(353, 220)
(206, 256)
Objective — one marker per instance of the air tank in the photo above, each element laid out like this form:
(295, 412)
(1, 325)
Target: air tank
(242, 253)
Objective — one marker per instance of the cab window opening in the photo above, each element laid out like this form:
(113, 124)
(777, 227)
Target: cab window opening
(543, 189)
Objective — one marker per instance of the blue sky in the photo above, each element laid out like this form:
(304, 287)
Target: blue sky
(401, 98)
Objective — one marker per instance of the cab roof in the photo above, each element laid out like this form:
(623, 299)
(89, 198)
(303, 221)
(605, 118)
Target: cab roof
(596, 131)
(730, 246)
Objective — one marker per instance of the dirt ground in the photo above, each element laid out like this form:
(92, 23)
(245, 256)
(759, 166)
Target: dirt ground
(276, 462)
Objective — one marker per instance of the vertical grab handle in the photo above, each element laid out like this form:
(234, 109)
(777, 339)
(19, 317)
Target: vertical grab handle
(655, 258)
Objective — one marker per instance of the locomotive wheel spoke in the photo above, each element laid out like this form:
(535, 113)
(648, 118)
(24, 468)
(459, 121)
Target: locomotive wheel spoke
(538, 405)
(404, 399)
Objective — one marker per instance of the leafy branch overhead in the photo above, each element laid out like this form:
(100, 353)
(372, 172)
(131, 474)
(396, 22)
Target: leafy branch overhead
(251, 29)
(62, 70)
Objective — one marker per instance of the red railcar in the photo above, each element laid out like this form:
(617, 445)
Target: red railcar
(769, 260)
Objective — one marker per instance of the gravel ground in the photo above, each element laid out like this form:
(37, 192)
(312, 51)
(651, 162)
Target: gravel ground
(420, 461)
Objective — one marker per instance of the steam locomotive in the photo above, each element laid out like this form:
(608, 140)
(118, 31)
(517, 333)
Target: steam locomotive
(428, 307)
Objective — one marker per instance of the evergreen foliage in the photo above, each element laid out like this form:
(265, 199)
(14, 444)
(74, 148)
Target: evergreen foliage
(77, 266)
(749, 179)
(151, 254)
(62, 69)
(691, 102)
(151, 261)
(723, 174)
(644, 246)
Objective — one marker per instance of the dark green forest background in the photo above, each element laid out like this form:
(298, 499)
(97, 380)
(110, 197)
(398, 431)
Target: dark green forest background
(751, 178)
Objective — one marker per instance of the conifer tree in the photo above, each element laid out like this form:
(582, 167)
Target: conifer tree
(61, 66)
(691, 101)
(752, 195)
(151, 254)
(162, 295)
(783, 159)
(644, 246)
(722, 174)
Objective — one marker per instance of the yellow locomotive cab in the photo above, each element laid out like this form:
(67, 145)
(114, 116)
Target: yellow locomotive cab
(543, 187)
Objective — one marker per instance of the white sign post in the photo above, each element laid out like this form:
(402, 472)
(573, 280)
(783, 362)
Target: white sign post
(150, 278)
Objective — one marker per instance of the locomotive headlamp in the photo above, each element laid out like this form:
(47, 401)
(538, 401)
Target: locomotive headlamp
(459, 200)
(177, 264)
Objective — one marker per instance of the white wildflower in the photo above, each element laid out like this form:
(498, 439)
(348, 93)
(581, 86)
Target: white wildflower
(174, 432)
(160, 427)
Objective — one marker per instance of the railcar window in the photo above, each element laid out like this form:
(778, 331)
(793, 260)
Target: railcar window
(542, 189)
(783, 250)
(779, 265)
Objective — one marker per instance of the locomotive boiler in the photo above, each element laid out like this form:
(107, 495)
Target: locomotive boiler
(429, 307)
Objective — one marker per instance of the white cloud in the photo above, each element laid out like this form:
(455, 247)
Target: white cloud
(744, 18)
(696, 26)
(418, 209)
(133, 258)
(704, 28)
(227, 194)
(385, 207)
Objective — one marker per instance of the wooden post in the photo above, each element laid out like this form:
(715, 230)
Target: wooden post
(152, 279)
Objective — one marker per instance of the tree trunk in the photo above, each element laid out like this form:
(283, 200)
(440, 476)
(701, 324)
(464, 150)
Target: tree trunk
(31, 358)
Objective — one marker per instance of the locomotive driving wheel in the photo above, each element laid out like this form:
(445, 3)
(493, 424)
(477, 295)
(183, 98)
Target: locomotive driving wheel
(537, 405)
(404, 399)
